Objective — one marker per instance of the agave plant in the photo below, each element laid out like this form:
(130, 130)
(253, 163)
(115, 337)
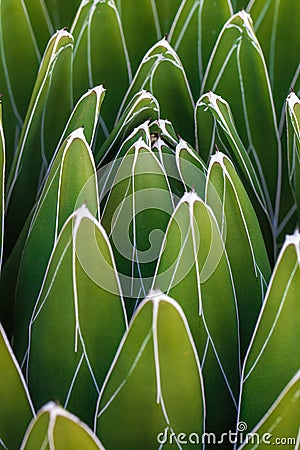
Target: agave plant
(150, 207)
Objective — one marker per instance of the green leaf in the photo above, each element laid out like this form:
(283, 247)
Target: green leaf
(41, 132)
(135, 216)
(191, 168)
(86, 114)
(41, 24)
(276, 24)
(243, 241)
(293, 145)
(138, 21)
(166, 13)
(57, 429)
(212, 130)
(143, 106)
(158, 352)
(71, 182)
(100, 56)
(281, 421)
(78, 319)
(62, 13)
(193, 34)
(2, 180)
(15, 404)
(161, 72)
(18, 48)
(193, 269)
(228, 75)
(274, 348)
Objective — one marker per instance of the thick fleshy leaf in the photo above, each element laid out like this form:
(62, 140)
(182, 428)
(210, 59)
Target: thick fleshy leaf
(62, 13)
(143, 106)
(191, 168)
(293, 145)
(193, 34)
(276, 24)
(280, 425)
(86, 114)
(275, 344)
(141, 27)
(15, 404)
(78, 319)
(228, 75)
(156, 378)
(2, 180)
(57, 429)
(135, 216)
(194, 270)
(162, 73)
(166, 14)
(100, 56)
(211, 129)
(71, 182)
(41, 132)
(243, 241)
(18, 48)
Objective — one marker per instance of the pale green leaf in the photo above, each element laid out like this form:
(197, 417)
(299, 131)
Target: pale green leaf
(101, 57)
(251, 101)
(78, 319)
(193, 269)
(143, 106)
(293, 145)
(280, 425)
(162, 73)
(15, 404)
(56, 429)
(243, 241)
(193, 34)
(41, 132)
(274, 353)
(71, 182)
(158, 353)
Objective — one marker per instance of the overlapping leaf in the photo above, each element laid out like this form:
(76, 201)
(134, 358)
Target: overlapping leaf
(141, 21)
(78, 319)
(162, 73)
(18, 48)
(143, 106)
(194, 270)
(228, 75)
(135, 216)
(276, 24)
(193, 34)
(62, 13)
(243, 241)
(281, 423)
(15, 405)
(100, 56)
(155, 378)
(41, 132)
(293, 145)
(57, 429)
(71, 182)
(275, 345)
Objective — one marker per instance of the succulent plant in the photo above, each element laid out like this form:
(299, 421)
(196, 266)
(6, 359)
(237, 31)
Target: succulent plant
(150, 206)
